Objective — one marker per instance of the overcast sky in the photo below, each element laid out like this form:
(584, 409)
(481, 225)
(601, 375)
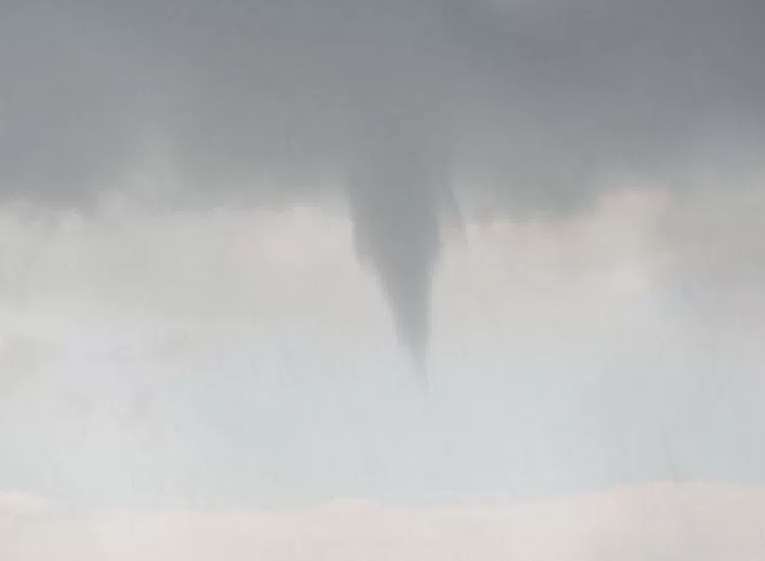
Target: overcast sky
(259, 254)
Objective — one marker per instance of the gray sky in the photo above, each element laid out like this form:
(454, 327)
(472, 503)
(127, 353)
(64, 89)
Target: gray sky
(227, 228)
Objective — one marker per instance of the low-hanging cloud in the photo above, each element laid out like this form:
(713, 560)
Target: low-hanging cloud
(403, 103)
(701, 521)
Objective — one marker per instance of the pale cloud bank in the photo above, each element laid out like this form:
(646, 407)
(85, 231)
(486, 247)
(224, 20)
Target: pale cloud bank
(689, 522)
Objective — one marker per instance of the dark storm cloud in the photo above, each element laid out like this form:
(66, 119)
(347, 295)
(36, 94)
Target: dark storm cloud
(533, 100)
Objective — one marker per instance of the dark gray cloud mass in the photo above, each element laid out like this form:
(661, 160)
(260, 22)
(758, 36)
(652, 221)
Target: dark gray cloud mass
(532, 100)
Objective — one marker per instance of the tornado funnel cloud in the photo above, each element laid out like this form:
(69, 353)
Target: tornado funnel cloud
(394, 190)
